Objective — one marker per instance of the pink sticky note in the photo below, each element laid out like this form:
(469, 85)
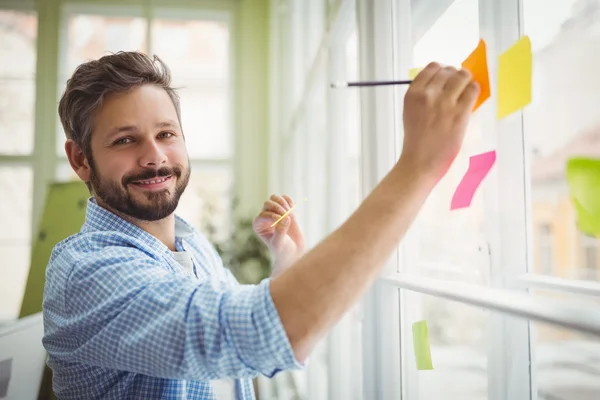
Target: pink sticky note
(479, 166)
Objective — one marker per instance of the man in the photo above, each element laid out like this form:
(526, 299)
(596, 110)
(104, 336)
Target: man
(138, 305)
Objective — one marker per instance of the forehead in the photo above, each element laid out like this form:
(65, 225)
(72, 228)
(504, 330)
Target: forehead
(146, 106)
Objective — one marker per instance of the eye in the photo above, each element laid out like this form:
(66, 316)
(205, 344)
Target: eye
(165, 135)
(123, 140)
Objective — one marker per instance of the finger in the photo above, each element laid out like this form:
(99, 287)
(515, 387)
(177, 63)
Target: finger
(270, 216)
(270, 205)
(423, 78)
(289, 200)
(438, 81)
(469, 96)
(457, 83)
(280, 200)
(281, 229)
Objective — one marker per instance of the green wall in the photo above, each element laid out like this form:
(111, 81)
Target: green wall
(251, 105)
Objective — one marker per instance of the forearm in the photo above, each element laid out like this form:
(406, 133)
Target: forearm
(315, 292)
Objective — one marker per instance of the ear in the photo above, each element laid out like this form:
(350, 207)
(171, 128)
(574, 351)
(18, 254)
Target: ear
(78, 160)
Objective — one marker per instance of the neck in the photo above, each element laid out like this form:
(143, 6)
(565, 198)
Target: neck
(163, 229)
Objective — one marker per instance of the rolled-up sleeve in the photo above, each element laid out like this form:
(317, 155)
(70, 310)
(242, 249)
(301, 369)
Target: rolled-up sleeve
(125, 311)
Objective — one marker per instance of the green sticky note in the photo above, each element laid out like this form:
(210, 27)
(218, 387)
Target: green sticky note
(421, 345)
(583, 178)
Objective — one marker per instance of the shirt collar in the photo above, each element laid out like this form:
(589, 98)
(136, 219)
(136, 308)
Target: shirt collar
(98, 218)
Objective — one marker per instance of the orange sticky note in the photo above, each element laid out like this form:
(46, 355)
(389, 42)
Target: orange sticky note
(514, 78)
(479, 166)
(476, 63)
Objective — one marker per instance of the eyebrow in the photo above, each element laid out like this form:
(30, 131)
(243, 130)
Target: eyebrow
(133, 128)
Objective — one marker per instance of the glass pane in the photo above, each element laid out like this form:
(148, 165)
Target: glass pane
(18, 41)
(15, 236)
(206, 122)
(18, 52)
(201, 52)
(64, 172)
(561, 122)
(206, 203)
(92, 36)
(463, 251)
(354, 121)
(14, 269)
(458, 344)
(17, 115)
(443, 41)
(200, 68)
(567, 366)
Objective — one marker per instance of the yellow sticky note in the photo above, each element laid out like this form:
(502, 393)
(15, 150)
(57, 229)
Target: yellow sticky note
(514, 78)
(413, 72)
(583, 178)
(421, 345)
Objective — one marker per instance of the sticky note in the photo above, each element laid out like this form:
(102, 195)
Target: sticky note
(421, 346)
(514, 78)
(583, 178)
(479, 166)
(476, 63)
(413, 72)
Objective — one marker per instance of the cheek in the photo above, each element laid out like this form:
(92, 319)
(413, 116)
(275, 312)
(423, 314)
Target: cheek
(113, 169)
(178, 155)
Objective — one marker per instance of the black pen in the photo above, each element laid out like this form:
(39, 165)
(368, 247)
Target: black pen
(369, 83)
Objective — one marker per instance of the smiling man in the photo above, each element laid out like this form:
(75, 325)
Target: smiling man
(138, 305)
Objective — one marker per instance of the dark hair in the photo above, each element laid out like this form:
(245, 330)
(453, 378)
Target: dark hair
(93, 80)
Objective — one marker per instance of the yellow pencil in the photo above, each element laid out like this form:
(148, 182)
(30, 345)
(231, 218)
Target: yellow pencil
(286, 214)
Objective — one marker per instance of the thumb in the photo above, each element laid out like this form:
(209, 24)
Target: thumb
(281, 230)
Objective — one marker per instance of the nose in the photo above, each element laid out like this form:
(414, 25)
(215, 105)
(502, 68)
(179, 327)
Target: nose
(152, 155)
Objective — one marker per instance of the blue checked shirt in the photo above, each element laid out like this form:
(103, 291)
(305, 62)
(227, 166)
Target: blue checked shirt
(124, 320)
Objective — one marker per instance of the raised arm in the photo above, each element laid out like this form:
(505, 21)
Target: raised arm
(315, 292)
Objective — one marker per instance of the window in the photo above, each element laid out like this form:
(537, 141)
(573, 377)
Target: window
(546, 249)
(459, 345)
(564, 122)
(452, 243)
(589, 255)
(18, 41)
(200, 67)
(449, 244)
(563, 357)
(345, 195)
(88, 34)
(519, 233)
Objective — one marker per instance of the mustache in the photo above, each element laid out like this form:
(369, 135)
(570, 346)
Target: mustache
(149, 174)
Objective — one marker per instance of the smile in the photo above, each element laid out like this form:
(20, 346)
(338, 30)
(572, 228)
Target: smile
(154, 183)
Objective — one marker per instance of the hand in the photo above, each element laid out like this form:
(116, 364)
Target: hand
(285, 240)
(437, 107)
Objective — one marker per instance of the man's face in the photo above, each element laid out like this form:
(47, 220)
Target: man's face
(139, 165)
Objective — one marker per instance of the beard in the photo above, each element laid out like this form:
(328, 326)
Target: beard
(160, 204)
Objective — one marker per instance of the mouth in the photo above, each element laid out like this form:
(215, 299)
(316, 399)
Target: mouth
(157, 183)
